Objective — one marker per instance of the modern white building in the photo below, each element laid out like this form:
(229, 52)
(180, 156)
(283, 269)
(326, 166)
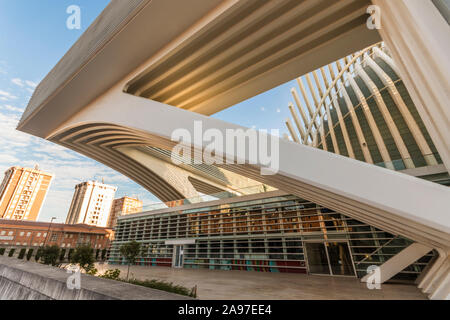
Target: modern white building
(91, 204)
(135, 77)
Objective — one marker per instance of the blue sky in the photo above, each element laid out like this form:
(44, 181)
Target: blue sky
(33, 39)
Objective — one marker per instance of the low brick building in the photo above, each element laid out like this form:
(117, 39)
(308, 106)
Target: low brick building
(15, 236)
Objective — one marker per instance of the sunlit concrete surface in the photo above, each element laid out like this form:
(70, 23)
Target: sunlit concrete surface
(242, 285)
(23, 280)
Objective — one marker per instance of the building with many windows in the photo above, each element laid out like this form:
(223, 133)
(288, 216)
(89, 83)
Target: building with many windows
(267, 232)
(91, 204)
(27, 237)
(123, 206)
(23, 192)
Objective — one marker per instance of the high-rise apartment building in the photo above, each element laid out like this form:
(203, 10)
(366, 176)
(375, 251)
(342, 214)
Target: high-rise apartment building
(91, 204)
(22, 193)
(123, 206)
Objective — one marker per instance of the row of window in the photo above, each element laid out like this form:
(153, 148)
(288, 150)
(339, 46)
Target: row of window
(10, 233)
(271, 233)
(40, 244)
(54, 236)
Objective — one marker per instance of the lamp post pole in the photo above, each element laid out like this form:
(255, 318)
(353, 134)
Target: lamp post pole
(48, 231)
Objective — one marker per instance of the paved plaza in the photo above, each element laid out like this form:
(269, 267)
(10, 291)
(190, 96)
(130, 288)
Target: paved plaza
(241, 285)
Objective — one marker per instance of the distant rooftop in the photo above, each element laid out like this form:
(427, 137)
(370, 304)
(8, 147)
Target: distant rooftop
(55, 226)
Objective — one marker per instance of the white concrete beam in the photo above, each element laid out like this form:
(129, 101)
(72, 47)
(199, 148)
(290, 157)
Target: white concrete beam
(400, 261)
(418, 37)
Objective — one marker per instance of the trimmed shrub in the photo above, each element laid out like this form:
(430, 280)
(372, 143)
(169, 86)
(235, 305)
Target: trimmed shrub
(104, 251)
(22, 253)
(92, 271)
(69, 255)
(38, 254)
(165, 286)
(2, 251)
(29, 254)
(63, 253)
(11, 252)
(111, 274)
(50, 255)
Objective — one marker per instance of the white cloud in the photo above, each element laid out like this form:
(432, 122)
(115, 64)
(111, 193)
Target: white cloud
(6, 95)
(31, 84)
(18, 82)
(12, 108)
(9, 136)
(55, 151)
(22, 83)
(278, 110)
(7, 159)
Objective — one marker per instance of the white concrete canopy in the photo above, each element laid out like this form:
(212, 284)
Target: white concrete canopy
(135, 76)
(258, 44)
(389, 200)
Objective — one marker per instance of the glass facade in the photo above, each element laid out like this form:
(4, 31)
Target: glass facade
(271, 234)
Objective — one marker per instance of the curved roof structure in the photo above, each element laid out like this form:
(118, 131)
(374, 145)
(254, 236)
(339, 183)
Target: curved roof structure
(147, 68)
(359, 107)
(268, 43)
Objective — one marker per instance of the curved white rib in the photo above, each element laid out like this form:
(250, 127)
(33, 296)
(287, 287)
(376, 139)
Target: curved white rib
(388, 200)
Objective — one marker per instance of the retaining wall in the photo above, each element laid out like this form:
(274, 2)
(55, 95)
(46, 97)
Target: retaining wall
(22, 280)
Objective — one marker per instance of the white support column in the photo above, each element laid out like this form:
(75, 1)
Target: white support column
(400, 261)
(372, 125)
(406, 114)
(441, 288)
(297, 122)
(327, 112)
(435, 280)
(308, 103)
(302, 113)
(418, 37)
(335, 104)
(400, 144)
(292, 131)
(348, 144)
(355, 121)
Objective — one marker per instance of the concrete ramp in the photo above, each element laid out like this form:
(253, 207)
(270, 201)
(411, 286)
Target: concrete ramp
(20, 280)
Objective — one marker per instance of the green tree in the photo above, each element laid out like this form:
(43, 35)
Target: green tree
(69, 255)
(130, 252)
(50, 255)
(29, 254)
(38, 254)
(22, 253)
(104, 252)
(84, 257)
(62, 255)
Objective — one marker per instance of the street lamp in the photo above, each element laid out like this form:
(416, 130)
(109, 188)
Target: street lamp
(48, 231)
